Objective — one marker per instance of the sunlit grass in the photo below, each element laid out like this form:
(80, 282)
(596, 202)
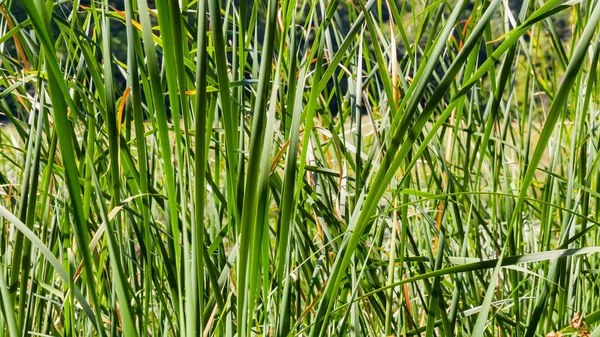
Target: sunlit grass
(314, 168)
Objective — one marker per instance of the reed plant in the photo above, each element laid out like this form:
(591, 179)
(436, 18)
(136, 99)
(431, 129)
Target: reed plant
(299, 168)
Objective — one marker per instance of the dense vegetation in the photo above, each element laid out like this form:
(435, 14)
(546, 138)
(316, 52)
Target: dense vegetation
(311, 168)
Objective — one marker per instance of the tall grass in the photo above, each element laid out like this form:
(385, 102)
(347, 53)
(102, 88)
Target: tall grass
(312, 168)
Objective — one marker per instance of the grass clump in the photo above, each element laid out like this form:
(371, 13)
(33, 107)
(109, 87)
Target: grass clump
(313, 168)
